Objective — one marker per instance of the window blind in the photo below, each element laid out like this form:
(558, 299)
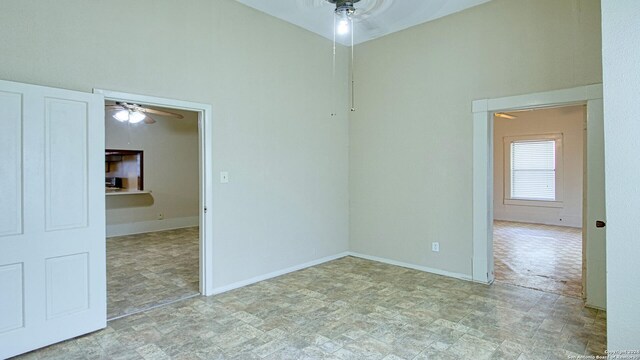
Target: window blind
(533, 170)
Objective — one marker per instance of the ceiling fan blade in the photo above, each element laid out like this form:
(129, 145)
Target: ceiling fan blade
(144, 110)
(312, 3)
(160, 112)
(149, 120)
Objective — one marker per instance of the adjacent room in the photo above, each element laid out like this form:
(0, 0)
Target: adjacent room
(319, 179)
(538, 192)
(152, 201)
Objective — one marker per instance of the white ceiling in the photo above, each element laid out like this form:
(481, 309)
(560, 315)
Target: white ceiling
(374, 18)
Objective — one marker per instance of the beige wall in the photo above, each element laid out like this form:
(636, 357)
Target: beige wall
(269, 83)
(411, 138)
(171, 173)
(567, 121)
(409, 143)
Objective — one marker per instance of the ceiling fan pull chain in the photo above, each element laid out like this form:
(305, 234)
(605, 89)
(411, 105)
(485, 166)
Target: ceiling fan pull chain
(333, 67)
(128, 133)
(353, 83)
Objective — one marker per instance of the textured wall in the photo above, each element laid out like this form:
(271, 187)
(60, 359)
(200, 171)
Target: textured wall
(411, 138)
(568, 121)
(269, 83)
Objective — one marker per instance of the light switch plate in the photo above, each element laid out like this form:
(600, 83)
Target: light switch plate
(224, 177)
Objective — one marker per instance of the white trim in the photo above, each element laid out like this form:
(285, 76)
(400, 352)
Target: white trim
(142, 227)
(152, 100)
(519, 214)
(534, 203)
(564, 97)
(205, 118)
(256, 279)
(483, 161)
(412, 266)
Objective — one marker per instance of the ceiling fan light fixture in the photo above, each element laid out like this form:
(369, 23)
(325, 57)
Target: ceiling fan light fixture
(136, 117)
(343, 25)
(122, 115)
(505, 116)
(343, 21)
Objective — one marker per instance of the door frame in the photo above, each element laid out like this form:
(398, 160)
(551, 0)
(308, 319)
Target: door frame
(483, 112)
(205, 135)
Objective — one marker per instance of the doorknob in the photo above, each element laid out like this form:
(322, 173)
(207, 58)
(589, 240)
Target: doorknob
(600, 224)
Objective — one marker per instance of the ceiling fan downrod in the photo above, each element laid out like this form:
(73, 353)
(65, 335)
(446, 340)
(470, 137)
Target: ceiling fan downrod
(344, 6)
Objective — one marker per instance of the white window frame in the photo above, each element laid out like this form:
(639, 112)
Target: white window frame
(558, 202)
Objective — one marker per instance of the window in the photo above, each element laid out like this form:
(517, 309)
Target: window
(533, 171)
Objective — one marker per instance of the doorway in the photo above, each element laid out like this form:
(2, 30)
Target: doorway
(593, 202)
(152, 207)
(159, 239)
(538, 198)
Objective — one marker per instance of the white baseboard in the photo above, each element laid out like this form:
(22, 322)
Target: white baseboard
(587, 304)
(253, 280)
(151, 226)
(412, 266)
(530, 218)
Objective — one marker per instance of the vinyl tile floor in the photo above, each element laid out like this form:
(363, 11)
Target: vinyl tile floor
(151, 269)
(352, 308)
(542, 257)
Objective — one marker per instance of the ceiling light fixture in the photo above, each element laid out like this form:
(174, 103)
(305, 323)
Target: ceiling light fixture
(343, 18)
(136, 116)
(343, 25)
(506, 116)
(122, 115)
(133, 117)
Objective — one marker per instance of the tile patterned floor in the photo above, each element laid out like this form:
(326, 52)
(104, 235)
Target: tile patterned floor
(542, 257)
(147, 270)
(352, 309)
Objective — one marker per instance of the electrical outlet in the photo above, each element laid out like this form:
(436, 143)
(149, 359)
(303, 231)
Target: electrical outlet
(435, 246)
(160, 216)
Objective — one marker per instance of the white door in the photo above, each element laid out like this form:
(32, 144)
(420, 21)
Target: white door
(52, 221)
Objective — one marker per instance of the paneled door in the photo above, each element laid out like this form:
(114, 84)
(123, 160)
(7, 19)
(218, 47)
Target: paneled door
(52, 216)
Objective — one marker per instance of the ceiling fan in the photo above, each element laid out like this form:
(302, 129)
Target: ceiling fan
(361, 12)
(346, 16)
(134, 113)
(505, 115)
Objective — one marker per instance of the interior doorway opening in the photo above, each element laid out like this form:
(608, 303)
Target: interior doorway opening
(538, 157)
(158, 228)
(152, 206)
(594, 263)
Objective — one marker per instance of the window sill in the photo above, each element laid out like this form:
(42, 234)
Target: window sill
(538, 203)
(111, 192)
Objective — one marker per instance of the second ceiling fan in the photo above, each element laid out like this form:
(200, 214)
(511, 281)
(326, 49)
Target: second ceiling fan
(134, 113)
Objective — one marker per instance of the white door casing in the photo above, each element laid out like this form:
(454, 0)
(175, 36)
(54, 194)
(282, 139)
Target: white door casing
(52, 222)
(205, 135)
(483, 111)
